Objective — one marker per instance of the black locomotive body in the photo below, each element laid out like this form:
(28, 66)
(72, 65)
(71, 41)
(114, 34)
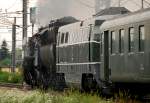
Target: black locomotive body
(40, 63)
(92, 53)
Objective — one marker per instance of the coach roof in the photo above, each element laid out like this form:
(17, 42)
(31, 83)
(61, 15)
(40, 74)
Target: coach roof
(127, 18)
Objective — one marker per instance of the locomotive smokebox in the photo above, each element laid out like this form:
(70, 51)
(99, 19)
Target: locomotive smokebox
(47, 56)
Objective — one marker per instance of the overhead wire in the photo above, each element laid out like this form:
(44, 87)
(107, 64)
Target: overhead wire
(124, 1)
(85, 4)
(16, 12)
(114, 4)
(5, 21)
(90, 2)
(3, 16)
(147, 2)
(12, 5)
(136, 3)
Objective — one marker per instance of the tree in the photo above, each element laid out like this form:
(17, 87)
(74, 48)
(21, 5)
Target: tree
(18, 57)
(4, 52)
(5, 62)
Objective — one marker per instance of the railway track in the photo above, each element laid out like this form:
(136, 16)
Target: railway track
(144, 99)
(12, 85)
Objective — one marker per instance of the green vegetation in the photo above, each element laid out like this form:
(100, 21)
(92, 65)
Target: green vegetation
(16, 96)
(10, 77)
(5, 58)
(4, 51)
(5, 63)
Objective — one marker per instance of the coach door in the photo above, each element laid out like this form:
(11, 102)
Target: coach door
(106, 55)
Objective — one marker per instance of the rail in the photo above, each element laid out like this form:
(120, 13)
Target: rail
(11, 85)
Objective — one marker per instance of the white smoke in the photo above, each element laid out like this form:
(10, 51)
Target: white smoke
(52, 9)
(102, 4)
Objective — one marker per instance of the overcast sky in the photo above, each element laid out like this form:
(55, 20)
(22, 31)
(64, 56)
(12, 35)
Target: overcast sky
(80, 9)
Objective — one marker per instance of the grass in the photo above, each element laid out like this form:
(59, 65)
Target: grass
(70, 96)
(18, 70)
(77, 97)
(15, 96)
(10, 77)
(36, 96)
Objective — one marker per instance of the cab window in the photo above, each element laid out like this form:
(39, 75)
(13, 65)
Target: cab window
(62, 38)
(66, 38)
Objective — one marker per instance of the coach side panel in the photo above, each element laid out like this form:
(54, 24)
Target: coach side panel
(129, 52)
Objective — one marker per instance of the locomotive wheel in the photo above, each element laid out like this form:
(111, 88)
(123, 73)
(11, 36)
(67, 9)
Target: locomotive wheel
(59, 82)
(88, 83)
(107, 89)
(85, 86)
(27, 77)
(42, 80)
(28, 71)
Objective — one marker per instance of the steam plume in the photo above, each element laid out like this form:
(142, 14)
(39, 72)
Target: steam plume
(52, 9)
(102, 4)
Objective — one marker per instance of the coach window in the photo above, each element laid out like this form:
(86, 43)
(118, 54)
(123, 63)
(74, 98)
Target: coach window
(62, 38)
(66, 38)
(113, 39)
(121, 40)
(141, 38)
(131, 39)
(101, 43)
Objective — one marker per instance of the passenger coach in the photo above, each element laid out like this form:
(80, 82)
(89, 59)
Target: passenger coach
(126, 49)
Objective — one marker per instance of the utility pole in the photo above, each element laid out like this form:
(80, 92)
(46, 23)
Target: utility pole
(32, 29)
(119, 3)
(142, 2)
(13, 46)
(25, 28)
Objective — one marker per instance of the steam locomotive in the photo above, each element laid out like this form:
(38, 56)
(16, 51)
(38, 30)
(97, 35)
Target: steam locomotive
(102, 52)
